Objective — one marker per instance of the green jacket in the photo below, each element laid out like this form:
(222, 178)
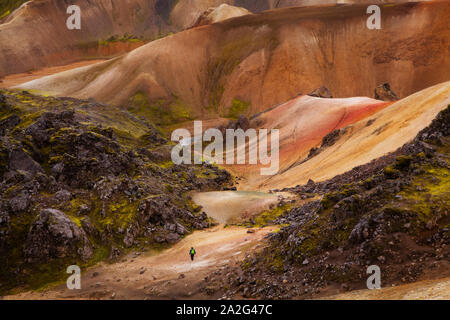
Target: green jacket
(192, 252)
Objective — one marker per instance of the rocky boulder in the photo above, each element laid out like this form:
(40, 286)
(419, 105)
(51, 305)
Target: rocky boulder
(20, 202)
(54, 236)
(20, 160)
(63, 195)
(39, 130)
(321, 92)
(385, 93)
(241, 123)
(9, 123)
(172, 237)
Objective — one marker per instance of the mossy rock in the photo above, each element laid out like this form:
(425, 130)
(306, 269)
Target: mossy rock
(391, 172)
(403, 162)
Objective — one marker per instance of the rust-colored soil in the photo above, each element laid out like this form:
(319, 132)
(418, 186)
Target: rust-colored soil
(269, 58)
(19, 78)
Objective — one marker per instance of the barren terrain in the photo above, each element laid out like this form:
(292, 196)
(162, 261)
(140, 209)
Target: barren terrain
(144, 68)
(269, 58)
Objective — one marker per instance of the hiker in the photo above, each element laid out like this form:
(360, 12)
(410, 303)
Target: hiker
(192, 253)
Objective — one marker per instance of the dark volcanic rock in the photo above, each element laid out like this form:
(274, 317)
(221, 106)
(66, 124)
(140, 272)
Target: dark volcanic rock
(130, 235)
(241, 123)
(157, 210)
(329, 140)
(9, 123)
(385, 93)
(39, 130)
(158, 213)
(20, 202)
(321, 92)
(63, 195)
(20, 160)
(172, 237)
(55, 236)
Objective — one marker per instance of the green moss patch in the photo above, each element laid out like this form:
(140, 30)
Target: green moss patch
(161, 112)
(267, 217)
(429, 194)
(8, 6)
(238, 108)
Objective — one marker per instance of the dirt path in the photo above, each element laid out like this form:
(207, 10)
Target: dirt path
(422, 290)
(166, 275)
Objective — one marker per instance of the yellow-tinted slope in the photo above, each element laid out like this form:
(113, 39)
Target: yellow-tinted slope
(368, 139)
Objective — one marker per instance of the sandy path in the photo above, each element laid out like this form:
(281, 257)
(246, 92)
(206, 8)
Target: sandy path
(422, 290)
(168, 275)
(16, 79)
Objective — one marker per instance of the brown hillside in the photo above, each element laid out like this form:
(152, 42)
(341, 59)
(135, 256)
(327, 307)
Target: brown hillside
(265, 59)
(36, 35)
